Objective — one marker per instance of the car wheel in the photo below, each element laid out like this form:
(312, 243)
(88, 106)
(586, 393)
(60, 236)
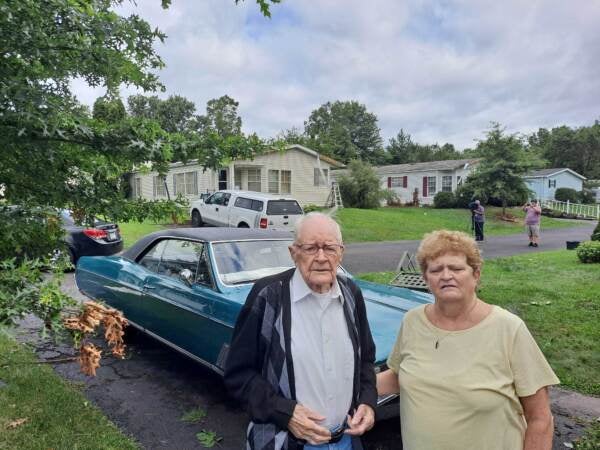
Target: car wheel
(196, 219)
(243, 225)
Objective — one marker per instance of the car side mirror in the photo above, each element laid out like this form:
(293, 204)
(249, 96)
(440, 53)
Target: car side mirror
(186, 276)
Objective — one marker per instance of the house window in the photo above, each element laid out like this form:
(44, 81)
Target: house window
(431, 186)
(286, 181)
(321, 176)
(396, 182)
(185, 183)
(551, 183)
(447, 183)
(254, 180)
(458, 180)
(222, 179)
(273, 181)
(137, 187)
(158, 186)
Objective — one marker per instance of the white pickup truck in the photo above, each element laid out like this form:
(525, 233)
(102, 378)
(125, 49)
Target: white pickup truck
(246, 209)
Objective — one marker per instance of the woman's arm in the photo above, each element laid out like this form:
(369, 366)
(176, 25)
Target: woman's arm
(540, 423)
(387, 382)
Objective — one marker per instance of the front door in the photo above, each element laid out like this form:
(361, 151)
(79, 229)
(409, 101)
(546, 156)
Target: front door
(223, 179)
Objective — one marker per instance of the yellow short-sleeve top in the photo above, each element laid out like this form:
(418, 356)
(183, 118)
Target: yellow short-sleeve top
(464, 394)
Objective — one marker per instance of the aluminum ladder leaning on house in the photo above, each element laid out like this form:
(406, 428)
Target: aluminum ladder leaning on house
(334, 200)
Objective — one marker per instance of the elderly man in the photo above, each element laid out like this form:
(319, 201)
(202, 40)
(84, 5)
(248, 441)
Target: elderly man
(302, 354)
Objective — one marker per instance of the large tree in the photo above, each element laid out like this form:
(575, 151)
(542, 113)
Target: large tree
(345, 131)
(221, 118)
(575, 148)
(174, 115)
(500, 173)
(402, 150)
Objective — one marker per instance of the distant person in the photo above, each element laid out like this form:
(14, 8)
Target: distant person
(469, 374)
(478, 220)
(533, 215)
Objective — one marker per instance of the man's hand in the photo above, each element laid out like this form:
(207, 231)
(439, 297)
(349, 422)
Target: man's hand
(362, 421)
(304, 425)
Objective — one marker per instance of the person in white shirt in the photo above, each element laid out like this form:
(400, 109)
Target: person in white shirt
(302, 355)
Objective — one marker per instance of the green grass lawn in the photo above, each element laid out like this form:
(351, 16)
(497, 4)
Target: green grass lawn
(394, 224)
(568, 328)
(57, 414)
(132, 231)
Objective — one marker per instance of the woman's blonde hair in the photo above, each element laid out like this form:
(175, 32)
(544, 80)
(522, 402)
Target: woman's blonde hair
(440, 242)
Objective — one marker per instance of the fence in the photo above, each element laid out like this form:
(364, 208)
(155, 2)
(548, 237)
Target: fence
(587, 211)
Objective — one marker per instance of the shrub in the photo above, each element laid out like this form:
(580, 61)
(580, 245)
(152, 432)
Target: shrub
(586, 196)
(596, 233)
(566, 194)
(589, 252)
(444, 200)
(361, 188)
(311, 207)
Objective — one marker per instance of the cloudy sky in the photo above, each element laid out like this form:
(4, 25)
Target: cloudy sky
(440, 70)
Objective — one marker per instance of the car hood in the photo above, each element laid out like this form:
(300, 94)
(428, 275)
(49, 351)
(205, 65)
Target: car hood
(386, 306)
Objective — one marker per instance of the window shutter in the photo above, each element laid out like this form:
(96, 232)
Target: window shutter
(405, 181)
(174, 184)
(424, 186)
(389, 182)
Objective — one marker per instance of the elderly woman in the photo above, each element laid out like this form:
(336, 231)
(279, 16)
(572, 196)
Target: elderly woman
(469, 374)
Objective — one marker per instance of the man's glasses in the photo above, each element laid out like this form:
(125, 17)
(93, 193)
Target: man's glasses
(313, 249)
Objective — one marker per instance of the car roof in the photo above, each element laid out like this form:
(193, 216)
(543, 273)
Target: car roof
(206, 234)
(257, 195)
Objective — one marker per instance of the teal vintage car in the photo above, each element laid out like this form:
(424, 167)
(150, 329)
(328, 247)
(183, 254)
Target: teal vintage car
(186, 287)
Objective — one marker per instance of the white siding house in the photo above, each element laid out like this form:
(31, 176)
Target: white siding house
(427, 178)
(544, 182)
(297, 171)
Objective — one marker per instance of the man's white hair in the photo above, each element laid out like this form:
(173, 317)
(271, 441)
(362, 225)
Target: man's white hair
(313, 215)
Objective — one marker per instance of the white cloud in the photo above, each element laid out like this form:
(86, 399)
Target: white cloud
(441, 70)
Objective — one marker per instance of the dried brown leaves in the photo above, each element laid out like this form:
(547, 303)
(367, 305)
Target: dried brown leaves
(93, 315)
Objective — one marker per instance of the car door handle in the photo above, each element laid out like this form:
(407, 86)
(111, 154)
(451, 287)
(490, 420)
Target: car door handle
(216, 209)
(148, 287)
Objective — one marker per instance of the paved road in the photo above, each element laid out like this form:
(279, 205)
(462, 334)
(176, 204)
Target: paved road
(384, 256)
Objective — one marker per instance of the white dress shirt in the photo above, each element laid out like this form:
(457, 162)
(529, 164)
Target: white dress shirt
(322, 351)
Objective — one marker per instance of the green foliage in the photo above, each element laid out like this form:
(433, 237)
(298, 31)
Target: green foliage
(361, 189)
(208, 439)
(24, 289)
(195, 415)
(575, 148)
(221, 118)
(29, 233)
(591, 439)
(444, 200)
(109, 109)
(345, 131)
(174, 115)
(596, 233)
(499, 174)
(465, 194)
(311, 207)
(586, 196)
(402, 150)
(58, 414)
(566, 195)
(589, 252)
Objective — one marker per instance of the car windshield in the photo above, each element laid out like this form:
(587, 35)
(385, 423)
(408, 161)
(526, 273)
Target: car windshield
(247, 261)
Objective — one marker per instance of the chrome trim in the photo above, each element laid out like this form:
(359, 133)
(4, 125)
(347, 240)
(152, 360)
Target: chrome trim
(182, 351)
(383, 400)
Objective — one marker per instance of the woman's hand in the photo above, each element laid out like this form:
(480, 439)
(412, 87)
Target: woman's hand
(387, 382)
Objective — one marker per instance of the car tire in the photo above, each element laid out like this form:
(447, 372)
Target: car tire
(243, 225)
(196, 218)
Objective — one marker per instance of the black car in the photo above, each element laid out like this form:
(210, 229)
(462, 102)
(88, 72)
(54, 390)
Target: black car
(103, 239)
